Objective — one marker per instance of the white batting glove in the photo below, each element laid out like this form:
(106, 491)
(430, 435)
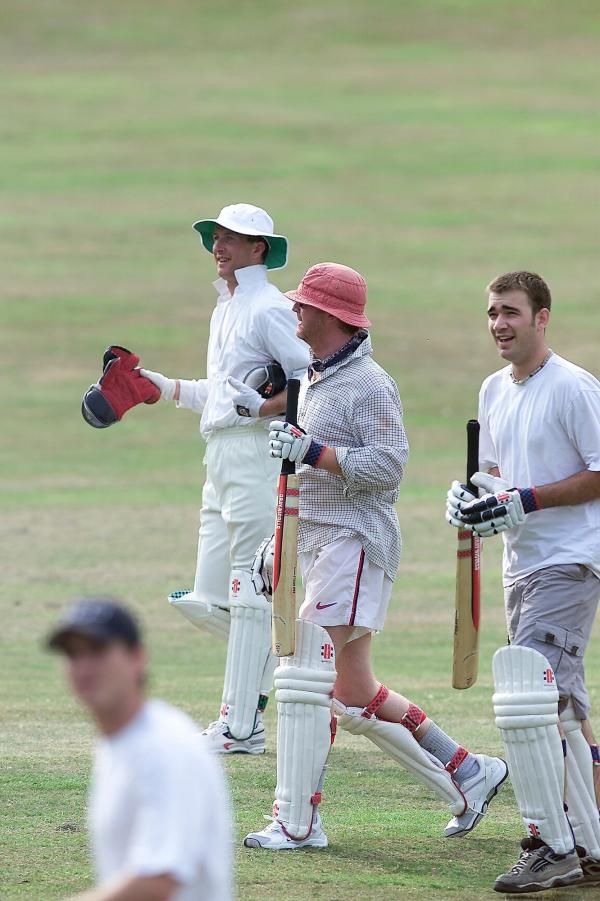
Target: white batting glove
(495, 513)
(290, 442)
(459, 496)
(165, 386)
(246, 400)
(262, 568)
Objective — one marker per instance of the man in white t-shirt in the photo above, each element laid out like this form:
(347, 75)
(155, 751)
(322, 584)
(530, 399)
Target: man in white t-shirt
(540, 456)
(252, 325)
(159, 810)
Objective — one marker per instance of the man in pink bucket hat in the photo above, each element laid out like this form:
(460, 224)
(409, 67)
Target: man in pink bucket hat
(351, 451)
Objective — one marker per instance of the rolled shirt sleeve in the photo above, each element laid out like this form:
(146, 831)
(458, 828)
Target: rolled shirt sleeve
(193, 394)
(378, 462)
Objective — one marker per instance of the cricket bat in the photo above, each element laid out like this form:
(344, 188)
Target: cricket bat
(285, 555)
(468, 586)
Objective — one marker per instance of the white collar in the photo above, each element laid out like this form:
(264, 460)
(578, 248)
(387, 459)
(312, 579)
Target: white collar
(246, 278)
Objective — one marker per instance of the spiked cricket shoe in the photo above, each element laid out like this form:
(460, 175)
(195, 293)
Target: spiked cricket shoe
(478, 791)
(218, 740)
(539, 868)
(273, 838)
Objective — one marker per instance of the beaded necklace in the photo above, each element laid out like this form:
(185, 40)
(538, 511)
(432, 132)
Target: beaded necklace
(531, 374)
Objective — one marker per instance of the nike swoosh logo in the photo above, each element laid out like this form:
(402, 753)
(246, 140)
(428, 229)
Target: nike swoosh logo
(321, 606)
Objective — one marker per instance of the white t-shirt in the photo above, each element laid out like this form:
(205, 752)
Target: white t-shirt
(254, 325)
(542, 431)
(159, 805)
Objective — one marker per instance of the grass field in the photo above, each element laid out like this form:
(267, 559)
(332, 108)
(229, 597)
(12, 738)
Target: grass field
(429, 145)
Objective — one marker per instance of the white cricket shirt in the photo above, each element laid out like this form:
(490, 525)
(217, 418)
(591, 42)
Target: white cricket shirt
(542, 431)
(254, 325)
(158, 805)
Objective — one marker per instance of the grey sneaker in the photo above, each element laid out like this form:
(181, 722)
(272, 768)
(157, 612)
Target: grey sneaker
(478, 791)
(590, 867)
(539, 868)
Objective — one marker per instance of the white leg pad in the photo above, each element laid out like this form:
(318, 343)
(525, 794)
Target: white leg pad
(248, 650)
(581, 797)
(396, 741)
(215, 620)
(303, 688)
(526, 709)
(266, 682)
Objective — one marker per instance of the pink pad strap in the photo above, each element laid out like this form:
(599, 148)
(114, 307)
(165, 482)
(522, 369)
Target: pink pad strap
(460, 757)
(374, 705)
(413, 718)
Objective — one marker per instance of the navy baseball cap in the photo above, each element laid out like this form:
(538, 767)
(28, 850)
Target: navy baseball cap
(102, 620)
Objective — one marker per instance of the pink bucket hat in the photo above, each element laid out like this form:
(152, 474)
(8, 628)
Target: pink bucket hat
(337, 289)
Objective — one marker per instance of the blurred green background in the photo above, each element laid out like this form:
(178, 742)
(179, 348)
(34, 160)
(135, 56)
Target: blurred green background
(431, 146)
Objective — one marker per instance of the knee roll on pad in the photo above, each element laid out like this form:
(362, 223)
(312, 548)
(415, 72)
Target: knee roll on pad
(396, 740)
(526, 708)
(248, 655)
(303, 688)
(214, 620)
(581, 796)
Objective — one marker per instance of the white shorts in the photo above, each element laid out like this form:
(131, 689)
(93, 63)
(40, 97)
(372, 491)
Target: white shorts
(343, 588)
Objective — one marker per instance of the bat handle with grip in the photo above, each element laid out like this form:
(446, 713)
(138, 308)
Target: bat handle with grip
(291, 416)
(472, 453)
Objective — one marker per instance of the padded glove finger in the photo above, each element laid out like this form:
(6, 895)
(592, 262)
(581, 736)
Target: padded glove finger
(262, 568)
(489, 484)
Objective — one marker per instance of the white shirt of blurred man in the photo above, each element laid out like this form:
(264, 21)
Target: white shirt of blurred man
(159, 811)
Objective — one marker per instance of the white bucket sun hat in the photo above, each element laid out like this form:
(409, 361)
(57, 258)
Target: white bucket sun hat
(246, 219)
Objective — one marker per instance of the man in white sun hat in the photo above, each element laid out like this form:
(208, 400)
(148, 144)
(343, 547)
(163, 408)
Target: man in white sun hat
(252, 351)
(351, 459)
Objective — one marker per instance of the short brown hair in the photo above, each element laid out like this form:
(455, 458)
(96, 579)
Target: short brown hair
(531, 283)
(347, 328)
(255, 239)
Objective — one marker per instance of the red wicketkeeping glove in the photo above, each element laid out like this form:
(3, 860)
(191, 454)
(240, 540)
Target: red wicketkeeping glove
(120, 388)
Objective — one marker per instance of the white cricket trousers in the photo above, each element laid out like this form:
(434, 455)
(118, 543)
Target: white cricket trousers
(238, 507)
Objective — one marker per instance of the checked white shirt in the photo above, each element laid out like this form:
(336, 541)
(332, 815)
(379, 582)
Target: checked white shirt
(354, 407)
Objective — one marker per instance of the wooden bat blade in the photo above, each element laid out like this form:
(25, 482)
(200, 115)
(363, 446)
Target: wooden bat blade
(467, 611)
(284, 566)
(286, 544)
(468, 584)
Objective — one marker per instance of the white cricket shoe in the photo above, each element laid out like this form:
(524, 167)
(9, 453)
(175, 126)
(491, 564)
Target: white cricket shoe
(218, 740)
(273, 838)
(478, 791)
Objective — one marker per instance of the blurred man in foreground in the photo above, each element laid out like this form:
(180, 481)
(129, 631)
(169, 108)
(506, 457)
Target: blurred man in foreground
(159, 812)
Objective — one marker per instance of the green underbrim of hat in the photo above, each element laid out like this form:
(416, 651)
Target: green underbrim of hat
(278, 247)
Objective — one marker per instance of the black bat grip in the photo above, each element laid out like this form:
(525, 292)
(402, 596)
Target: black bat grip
(472, 453)
(291, 416)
